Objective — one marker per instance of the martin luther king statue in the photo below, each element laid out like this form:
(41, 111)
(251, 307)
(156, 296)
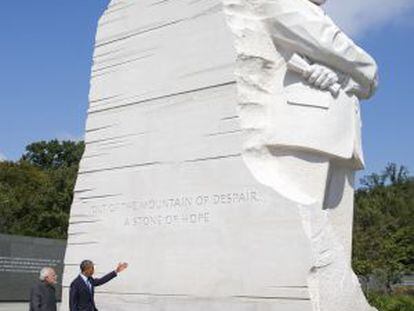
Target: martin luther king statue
(300, 79)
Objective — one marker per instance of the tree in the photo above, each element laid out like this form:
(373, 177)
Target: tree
(383, 226)
(36, 192)
(54, 154)
(22, 191)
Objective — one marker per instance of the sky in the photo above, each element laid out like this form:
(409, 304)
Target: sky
(46, 51)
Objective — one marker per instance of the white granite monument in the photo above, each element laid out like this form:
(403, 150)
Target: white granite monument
(221, 144)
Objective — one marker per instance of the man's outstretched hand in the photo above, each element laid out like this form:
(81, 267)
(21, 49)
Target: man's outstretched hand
(121, 267)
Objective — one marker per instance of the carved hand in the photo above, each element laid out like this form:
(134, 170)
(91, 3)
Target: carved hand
(321, 76)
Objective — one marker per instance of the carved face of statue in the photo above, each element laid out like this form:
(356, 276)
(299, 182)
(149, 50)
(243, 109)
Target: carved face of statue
(318, 2)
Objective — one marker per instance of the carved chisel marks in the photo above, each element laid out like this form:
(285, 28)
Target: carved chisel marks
(80, 222)
(103, 196)
(83, 190)
(96, 110)
(120, 6)
(112, 144)
(159, 2)
(116, 4)
(211, 69)
(103, 99)
(127, 55)
(229, 118)
(137, 32)
(96, 129)
(79, 215)
(110, 21)
(290, 287)
(192, 2)
(117, 146)
(94, 155)
(114, 138)
(77, 233)
(83, 243)
(216, 8)
(269, 297)
(210, 11)
(114, 168)
(102, 74)
(214, 158)
(224, 133)
(103, 54)
(142, 294)
(120, 63)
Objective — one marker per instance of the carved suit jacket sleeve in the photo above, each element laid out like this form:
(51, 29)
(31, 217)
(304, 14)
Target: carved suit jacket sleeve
(304, 28)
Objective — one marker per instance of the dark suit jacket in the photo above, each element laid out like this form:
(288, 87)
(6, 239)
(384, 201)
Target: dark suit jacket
(80, 297)
(42, 297)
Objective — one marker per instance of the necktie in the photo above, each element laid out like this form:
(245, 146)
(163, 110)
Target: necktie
(89, 285)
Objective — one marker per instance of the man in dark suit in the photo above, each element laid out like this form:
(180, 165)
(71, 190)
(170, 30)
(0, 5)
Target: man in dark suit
(82, 289)
(42, 295)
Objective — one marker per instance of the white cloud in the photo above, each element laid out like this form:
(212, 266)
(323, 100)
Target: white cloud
(2, 157)
(356, 17)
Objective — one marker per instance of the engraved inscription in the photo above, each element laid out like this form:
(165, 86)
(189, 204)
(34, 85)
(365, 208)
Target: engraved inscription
(175, 210)
(26, 265)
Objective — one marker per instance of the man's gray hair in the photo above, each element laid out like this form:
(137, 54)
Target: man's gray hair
(85, 264)
(44, 273)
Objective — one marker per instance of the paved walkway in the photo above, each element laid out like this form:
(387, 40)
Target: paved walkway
(15, 306)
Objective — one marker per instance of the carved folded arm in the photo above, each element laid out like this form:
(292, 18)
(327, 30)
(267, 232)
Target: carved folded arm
(297, 25)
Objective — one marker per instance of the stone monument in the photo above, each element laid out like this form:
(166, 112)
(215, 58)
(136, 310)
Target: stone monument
(221, 143)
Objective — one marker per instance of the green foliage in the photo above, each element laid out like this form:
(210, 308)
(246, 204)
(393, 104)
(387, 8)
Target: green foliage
(383, 226)
(391, 302)
(36, 191)
(53, 154)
